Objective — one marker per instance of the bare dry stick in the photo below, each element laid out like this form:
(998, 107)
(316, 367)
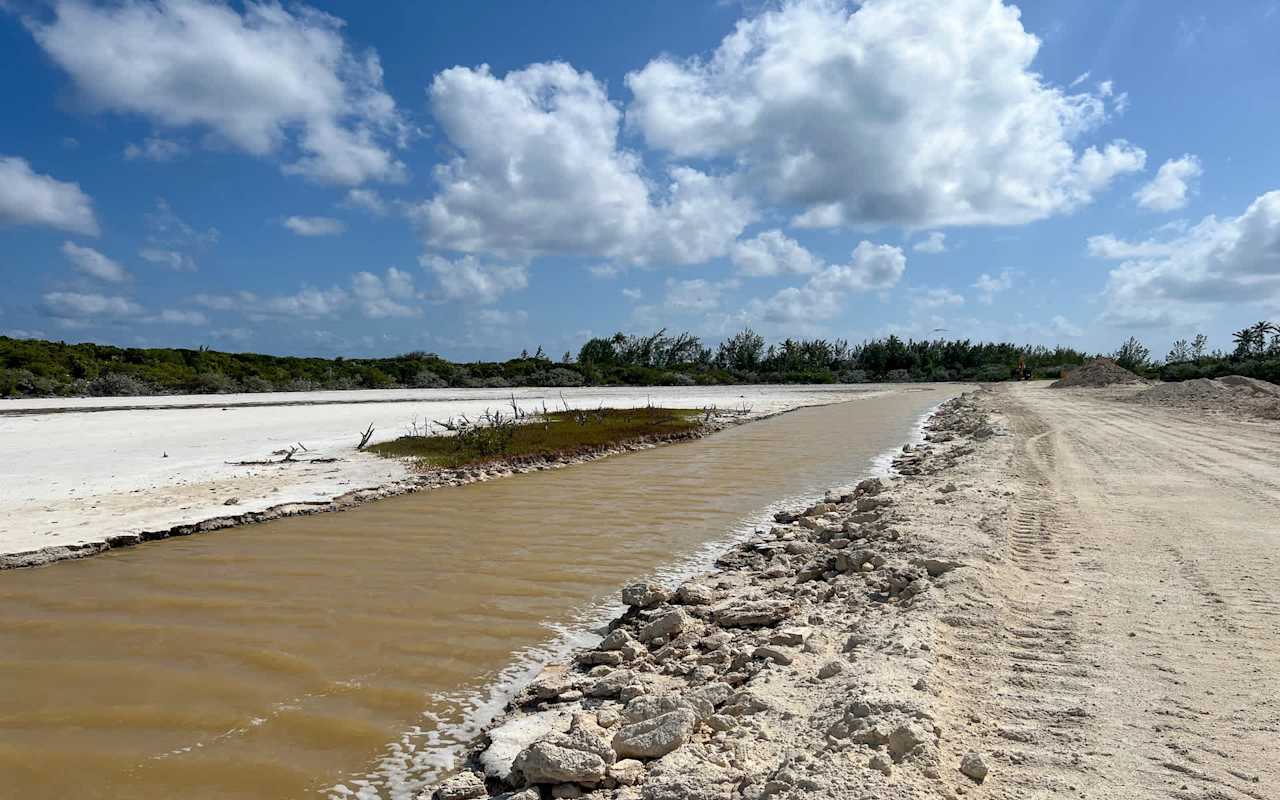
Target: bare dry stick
(365, 437)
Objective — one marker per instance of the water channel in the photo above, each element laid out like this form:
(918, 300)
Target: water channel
(347, 655)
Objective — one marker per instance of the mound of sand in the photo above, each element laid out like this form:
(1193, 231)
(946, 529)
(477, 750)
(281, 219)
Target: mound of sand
(1233, 394)
(1257, 386)
(1098, 372)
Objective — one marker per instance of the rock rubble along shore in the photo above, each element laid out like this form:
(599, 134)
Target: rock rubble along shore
(803, 665)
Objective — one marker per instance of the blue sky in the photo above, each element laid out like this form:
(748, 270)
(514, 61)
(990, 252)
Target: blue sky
(473, 179)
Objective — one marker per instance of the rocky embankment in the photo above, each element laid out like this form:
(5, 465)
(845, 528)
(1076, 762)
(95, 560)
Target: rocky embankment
(804, 665)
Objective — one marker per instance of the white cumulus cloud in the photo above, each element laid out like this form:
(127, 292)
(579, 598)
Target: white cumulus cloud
(694, 296)
(1186, 276)
(174, 316)
(872, 267)
(172, 259)
(773, 253)
(1170, 188)
(469, 280)
(933, 298)
(94, 264)
(256, 80)
(988, 287)
(314, 226)
(366, 200)
(540, 171)
(934, 243)
(155, 148)
(29, 198)
(912, 112)
(391, 295)
(88, 305)
(308, 303)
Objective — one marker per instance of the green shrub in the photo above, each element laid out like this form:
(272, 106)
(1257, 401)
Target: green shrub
(116, 384)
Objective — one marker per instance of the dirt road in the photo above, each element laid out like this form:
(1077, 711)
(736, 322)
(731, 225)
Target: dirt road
(1134, 644)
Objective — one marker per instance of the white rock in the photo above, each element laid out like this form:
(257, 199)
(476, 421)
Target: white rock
(664, 627)
(508, 739)
(463, 786)
(627, 772)
(654, 738)
(645, 595)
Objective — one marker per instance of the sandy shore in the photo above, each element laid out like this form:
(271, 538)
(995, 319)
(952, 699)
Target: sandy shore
(92, 473)
(1060, 594)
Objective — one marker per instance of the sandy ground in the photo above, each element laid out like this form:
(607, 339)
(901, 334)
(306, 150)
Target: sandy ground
(1062, 594)
(87, 470)
(1132, 650)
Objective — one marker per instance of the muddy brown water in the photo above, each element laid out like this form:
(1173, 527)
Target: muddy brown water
(347, 655)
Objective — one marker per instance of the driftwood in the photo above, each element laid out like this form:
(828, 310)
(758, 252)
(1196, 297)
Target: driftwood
(365, 437)
(271, 463)
(286, 457)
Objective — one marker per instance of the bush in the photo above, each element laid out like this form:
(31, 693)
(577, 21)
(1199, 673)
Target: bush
(214, 383)
(255, 384)
(495, 383)
(426, 379)
(117, 384)
(25, 383)
(993, 372)
(560, 376)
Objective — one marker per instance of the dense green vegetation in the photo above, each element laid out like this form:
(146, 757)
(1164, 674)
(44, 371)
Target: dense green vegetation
(1256, 355)
(556, 433)
(31, 368)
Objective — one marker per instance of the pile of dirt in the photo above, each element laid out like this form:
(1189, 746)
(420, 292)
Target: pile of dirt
(1232, 394)
(1098, 372)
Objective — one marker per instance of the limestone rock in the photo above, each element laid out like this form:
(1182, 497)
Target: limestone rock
(874, 486)
(645, 595)
(463, 786)
(628, 772)
(751, 613)
(791, 637)
(616, 640)
(508, 740)
(665, 626)
(695, 594)
(778, 655)
(973, 767)
(548, 762)
(613, 683)
(686, 786)
(654, 738)
(904, 739)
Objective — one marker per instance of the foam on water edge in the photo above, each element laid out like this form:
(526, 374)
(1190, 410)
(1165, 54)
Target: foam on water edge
(430, 750)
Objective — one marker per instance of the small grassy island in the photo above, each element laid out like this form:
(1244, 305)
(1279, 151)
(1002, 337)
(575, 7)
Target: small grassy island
(497, 436)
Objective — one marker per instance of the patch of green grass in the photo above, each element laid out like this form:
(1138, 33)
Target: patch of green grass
(558, 433)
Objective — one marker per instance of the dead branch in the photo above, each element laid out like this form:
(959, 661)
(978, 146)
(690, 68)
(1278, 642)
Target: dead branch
(287, 459)
(365, 437)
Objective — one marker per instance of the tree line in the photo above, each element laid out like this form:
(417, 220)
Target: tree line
(34, 368)
(1256, 354)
